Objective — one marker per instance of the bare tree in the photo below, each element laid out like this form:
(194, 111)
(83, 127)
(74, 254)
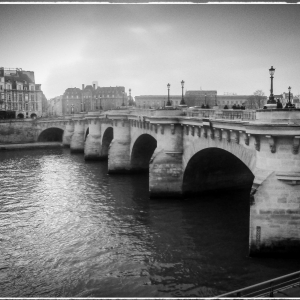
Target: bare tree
(257, 100)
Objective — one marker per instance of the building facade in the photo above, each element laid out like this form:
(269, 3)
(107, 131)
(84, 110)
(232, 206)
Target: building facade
(20, 96)
(201, 98)
(55, 107)
(156, 101)
(93, 98)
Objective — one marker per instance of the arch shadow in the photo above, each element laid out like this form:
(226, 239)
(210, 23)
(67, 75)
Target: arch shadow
(106, 140)
(51, 135)
(215, 169)
(142, 152)
(87, 133)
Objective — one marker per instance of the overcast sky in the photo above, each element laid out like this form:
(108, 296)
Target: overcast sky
(228, 48)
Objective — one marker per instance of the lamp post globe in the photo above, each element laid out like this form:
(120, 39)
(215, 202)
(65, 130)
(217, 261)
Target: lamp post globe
(168, 102)
(182, 102)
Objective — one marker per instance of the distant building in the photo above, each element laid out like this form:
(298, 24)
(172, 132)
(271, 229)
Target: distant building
(55, 107)
(200, 97)
(20, 96)
(156, 101)
(91, 97)
(296, 101)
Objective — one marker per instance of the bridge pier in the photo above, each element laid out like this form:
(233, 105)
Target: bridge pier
(275, 202)
(77, 141)
(165, 170)
(119, 149)
(68, 132)
(92, 145)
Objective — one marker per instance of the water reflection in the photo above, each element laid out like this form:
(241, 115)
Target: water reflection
(69, 229)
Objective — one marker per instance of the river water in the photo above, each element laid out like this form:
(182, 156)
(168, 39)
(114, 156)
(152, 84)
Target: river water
(68, 229)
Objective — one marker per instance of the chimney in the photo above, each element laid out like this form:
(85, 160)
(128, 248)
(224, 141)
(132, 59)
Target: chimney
(82, 86)
(95, 84)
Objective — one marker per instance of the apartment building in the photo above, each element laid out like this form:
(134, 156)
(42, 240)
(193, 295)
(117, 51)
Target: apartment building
(20, 96)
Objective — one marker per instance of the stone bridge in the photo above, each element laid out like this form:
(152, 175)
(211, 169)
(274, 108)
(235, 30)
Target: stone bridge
(188, 155)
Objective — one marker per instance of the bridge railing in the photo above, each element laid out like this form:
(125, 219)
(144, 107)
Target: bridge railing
(267, 288)
(230, 114)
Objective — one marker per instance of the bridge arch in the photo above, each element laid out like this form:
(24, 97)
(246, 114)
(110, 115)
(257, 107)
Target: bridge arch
(142, 150)
(52, 134)
(107, 137)
(215, 169)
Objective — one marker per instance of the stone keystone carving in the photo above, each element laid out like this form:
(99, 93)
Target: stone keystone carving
(237, 137)
(247, 139)
(205, 132)
(155, 127)
(296, 143)
(192, 130)
(186, 129)
(199, 131)
(220, 134)
(228, 137)
(116, 123)
(257, 142)
(162, 129)
(212, 133)
(272, 143)
(173, 128)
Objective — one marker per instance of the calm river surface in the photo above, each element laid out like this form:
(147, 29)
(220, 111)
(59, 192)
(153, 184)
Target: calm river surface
(69, 229)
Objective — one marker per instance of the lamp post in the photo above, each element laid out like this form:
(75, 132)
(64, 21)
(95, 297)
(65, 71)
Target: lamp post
(205, 100)
(100, 108)
(289, 103)
(168, 102)
(123, 104)
(271, 98)
(130, 104)
(182, 102)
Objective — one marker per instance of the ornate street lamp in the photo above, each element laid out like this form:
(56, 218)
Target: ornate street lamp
(271, 98)
(289, 103)
(123, 104)
(205, 99)
(182, 103)
(130, 102)
(168, 102)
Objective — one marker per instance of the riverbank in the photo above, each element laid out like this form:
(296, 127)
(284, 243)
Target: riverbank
(5, 147)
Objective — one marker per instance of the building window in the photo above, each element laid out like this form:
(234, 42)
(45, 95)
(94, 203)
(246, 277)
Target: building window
(20, 97)
(32, 97)
(32, 88)
(9, 97)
